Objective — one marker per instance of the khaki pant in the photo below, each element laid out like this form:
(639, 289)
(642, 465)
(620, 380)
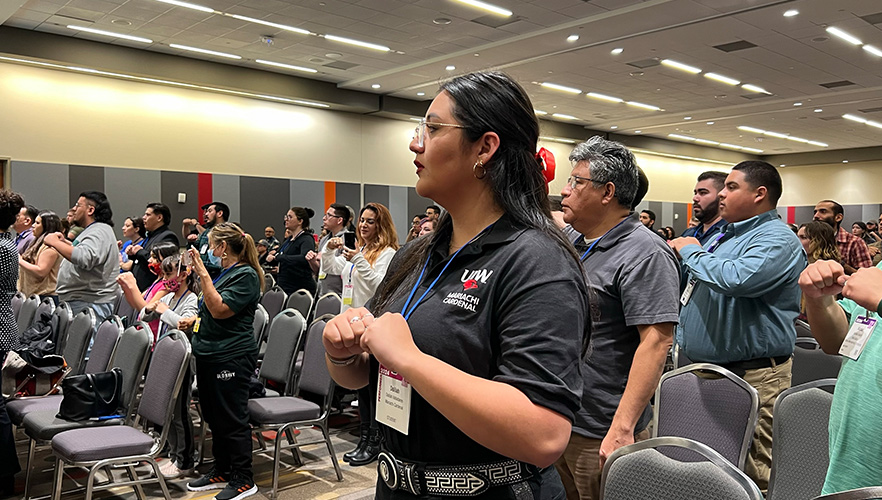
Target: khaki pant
(769, 383)
(579, 467)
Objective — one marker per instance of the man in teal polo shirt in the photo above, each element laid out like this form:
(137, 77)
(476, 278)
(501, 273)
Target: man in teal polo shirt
(215, 213)
(855, 441)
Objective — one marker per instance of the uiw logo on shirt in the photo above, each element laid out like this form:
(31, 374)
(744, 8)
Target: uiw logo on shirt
(470, 279)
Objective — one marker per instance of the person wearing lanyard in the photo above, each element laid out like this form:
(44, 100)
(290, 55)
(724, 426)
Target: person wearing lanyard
(633, 278)
(226, 354)
(179, 302)
(155, 291)
(295, 273)
(474, 379)
(742, 296)
(362, 269)
(334, 222)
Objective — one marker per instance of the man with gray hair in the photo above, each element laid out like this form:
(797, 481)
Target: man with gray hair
(633, 279)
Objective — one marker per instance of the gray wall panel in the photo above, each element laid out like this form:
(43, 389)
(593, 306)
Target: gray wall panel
(870, 212)
(657, 208)
(349, 194)
(416, 204)
(87, 179)
(172, 183)
(309, 194)
(666, 215)
(681, 222)
(376, 194)
(398, 207)
(853, 213)
(129, 191)
(804, 214)
(225, 188)
(264, 202)
(44, 185)
(782, 212)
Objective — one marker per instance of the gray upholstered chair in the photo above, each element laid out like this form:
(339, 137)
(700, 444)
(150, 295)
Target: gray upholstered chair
(678, 358)
(301, 300)
(811, 363)
(26, 313)
(124, 310)
(79, 335)
(125, 445)
(261, 320)
(46, 307)
(62, 317)
(131, 355)
(17, 300)
(273, 301)
(641, 470)
(328, 303)
(708, 404)
(801, 444)
(803, 330)
(868, 493)
(282, 414)
(283, 341)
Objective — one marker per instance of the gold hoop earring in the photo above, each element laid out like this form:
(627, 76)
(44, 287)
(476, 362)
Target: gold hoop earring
(479, 164)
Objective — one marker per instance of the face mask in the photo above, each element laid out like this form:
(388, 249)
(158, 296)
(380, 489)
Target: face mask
(154, 267)
(214, 259)
(172, 285)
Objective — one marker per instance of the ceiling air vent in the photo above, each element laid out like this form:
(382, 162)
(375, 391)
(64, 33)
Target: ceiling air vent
(732, 47)
(496, 21)
(340, 65)
(873, 18)
(833, 85)
(645, 63)
(756, 96)
(870, 110)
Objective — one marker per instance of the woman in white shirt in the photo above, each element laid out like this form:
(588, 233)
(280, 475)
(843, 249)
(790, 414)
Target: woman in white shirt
(362, 269)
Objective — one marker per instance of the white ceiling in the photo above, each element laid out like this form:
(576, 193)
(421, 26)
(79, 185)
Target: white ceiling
(792, 58)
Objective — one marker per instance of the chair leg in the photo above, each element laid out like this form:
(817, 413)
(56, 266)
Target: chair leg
(139, 491)
(323, 427)
(56, 482)
(295, 450)
(276, 457)
(31, 448)
(162, 483)
(90, 481)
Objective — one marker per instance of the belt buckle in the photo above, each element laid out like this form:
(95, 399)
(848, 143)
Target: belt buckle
(398, 475)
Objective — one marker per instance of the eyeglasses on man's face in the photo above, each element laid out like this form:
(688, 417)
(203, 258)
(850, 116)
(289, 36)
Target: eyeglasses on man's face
(419, 133)
(330, 216)
(575, 181)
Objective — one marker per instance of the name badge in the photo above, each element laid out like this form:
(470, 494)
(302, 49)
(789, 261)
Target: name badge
(687, 292)
(323, 275)
(857, 337)
(393, 400)
(347, 295)
(204, 249)
(196, 325)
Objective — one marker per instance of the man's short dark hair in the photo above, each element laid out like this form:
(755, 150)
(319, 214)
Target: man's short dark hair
(837, 208)
(718, 178)
(436, 208)
(642, 188)
(102, 213)
(32, 212)
(10, 206)
(650, 213)
(219, 206)
(759, 173)
(342, 211)
(161, 209)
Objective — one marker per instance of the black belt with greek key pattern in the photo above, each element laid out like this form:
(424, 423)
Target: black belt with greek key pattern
(453, 481)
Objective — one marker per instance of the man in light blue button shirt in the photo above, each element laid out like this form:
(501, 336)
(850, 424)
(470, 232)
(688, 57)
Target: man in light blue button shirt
(742, 296)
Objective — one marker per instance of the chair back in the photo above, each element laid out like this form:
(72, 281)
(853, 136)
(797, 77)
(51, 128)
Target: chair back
(678, 358)
(81, 330)
(301, 300)
(811, 363)
(314, 375)
(127, 314)
(868, 493)
(803, 329)
(708, 404)
(17, 300)
(46, 307)
(60, 322)
(27, 313)
(261, 319)
(131, 356)
(641, 470)
(169, 362)
(328, 303)
(801, 444)
(106, 338)
(274, 302)
(282, 344)
(270, 281)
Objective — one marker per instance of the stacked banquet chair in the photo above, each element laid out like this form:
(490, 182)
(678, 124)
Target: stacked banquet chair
(328, 303)
(301, 300)
(124, 310)
(27, 312)
(96, 448)
(62, 317)
(811, 363)
(284, 413)
(17, 300)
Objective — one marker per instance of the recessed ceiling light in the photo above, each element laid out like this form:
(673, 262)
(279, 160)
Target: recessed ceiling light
(682, 67)
(556, 139)
(780, 135)
(572, 38)
(357, 43)
(616, 51)
(844, 161)
(682, 137)
(720, 78)
(843, 35)
(476, 54)
(333, 55)
(818, 110)
(872, 50)
(450, 67)
(687, 117)
(854, 118)
(644, 106)
(751, 129)
(818, 143)
(540, 112)
(753, 88)
(708, 142)
(121, 22)
(443, 21)
(797, 104)
(271, 24)
(782, 165)
(637, 131)
(110, 34)
(375, 86)
(791, 13)
(614, 127)
(488, 7)
(565, 117)
(710, 123)
(752, 150)
(420, 94)
(188, 5)
(604, 97)
(562, 88)
(730, 146)
(286, 66)
(204, 51)
(777, 135)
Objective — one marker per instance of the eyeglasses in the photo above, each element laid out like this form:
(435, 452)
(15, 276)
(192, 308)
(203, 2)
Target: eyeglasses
(574, 181)
(419, 133)
(330, 216)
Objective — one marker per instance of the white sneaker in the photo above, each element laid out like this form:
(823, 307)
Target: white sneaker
(170, 470)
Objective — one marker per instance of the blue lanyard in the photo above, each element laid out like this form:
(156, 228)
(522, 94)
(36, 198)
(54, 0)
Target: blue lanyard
(162, 326)
(595, 242)
(288, 243)
(713, 246)
(214, 282)
(404, 310)
(353, 265)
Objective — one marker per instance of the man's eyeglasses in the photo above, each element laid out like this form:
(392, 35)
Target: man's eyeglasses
(575, 180)
(330, 216)
(419, 133)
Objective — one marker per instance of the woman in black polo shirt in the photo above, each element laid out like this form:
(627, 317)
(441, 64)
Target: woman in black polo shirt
(483, 319)
(295, 273)
(223, 343)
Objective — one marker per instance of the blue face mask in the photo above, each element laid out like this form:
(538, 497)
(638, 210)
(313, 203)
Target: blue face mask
(213, 259)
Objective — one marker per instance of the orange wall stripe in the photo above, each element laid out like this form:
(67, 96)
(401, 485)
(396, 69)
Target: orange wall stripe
(330, 194)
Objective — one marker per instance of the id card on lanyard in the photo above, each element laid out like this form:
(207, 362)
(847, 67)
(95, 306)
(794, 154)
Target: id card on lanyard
(348, 288)
(857, 337)
(690, 285)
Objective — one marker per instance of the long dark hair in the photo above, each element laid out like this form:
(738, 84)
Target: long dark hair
(51, 224)
(490, 102)
(304, 214)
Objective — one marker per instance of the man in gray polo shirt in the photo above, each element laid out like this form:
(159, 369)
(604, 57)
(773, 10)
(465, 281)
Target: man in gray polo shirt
(633, 283)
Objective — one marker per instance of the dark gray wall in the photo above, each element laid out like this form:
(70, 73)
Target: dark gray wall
(263, 202)
(172, 183)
